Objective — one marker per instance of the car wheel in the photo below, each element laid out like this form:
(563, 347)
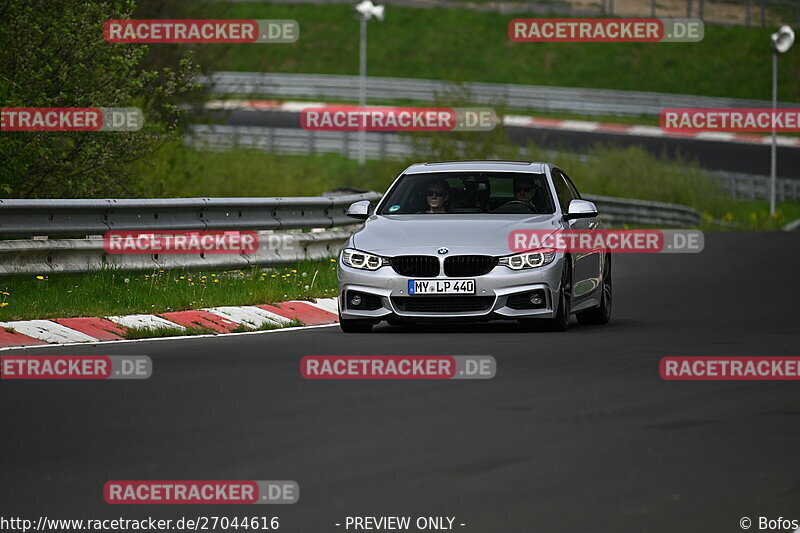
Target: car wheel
(602, 314)
(355, 325)
(561, 321)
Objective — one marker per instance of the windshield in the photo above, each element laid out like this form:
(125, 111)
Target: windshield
(469, 192)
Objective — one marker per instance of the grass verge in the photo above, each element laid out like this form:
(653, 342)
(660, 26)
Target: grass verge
(114, 292)
(611, 171)
(729, 61)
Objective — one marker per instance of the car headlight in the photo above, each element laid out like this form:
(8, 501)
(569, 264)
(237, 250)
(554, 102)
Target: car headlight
(362, 260)
(527, 260)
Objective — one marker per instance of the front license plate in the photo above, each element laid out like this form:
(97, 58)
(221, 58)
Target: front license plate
(441, 286)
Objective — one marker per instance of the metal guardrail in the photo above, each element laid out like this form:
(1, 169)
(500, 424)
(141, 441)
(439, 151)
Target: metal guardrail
(80, 255)
(36, 256)
(324, 216)
(513, 96)
(297, 141)
(19, 218)
(623, 211)
(755, 187)
(393, 146)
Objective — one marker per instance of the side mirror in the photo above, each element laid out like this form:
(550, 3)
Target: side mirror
(359, 210)
(581, 209)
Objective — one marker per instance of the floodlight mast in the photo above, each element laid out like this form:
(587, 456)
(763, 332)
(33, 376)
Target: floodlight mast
(366, 10)
(782, 40)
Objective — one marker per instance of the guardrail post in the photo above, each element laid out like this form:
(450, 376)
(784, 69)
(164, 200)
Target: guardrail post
(747, 12)
(763, 13)
(701, 9)
(688, 8)
(653, 8)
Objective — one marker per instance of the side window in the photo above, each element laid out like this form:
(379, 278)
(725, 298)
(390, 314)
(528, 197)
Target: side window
(572, 187)
(565, 195)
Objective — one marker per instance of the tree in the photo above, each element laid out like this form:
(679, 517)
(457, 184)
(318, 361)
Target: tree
(54, 55)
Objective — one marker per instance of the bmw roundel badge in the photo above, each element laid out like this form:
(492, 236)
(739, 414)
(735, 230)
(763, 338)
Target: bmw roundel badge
(443, 251)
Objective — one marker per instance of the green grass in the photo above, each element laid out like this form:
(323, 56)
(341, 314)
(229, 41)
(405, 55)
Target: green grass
(612, 171)
(110, 292)
(462, 45)
(179, 171)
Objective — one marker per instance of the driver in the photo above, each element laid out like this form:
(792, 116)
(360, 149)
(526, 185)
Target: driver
(437, 194)
(524, 190)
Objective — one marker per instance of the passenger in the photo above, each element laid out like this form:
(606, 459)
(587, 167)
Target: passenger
(437, 194)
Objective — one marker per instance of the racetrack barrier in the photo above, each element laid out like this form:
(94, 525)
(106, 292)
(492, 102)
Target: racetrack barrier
(291, 217)
(512, 96)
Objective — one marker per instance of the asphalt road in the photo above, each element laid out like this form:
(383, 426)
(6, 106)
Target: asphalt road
(711, 155)
(577, 432)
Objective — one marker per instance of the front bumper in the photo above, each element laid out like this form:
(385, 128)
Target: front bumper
(496, 288)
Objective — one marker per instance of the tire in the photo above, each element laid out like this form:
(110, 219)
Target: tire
(601, 314)
(561, 321)
(355, 326)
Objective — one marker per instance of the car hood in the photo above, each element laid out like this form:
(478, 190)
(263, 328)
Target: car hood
(425, 234)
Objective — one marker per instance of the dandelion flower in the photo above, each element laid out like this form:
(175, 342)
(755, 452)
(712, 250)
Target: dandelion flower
(39, 277)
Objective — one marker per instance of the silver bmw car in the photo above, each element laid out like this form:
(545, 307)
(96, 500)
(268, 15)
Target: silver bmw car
(436, 247)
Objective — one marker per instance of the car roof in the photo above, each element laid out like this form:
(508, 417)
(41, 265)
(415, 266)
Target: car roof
(478, 165)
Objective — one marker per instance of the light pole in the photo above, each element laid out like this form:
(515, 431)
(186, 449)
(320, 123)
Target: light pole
(782, 40)
(366, 10)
